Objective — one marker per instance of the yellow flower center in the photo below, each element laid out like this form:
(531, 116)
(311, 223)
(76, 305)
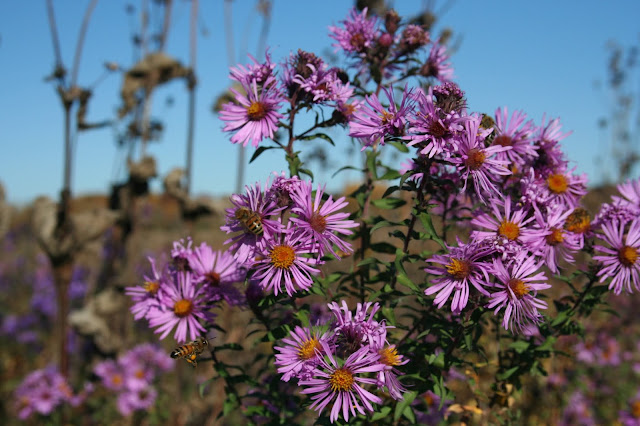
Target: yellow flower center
(459, 269)
(341, 380)
(182, 308)
(389, 356)
(429, 399)
(509, 229)
(151, 287)
(318, 222)
(386, 117)
(307, 350)
(578, 222)
(503, 140)
(139, 374)
(282, 256)
(518, 287)
(628, 255)
(256, 111)
(635, 409)
(558, 183)
(116, 379)
(555, 237)
(475, 159)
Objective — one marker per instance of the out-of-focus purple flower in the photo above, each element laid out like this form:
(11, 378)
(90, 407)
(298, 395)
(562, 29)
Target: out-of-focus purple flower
(474, 160)
(372, 123)
(413, 38)
(577, 411)
(282, 189)
(300, 353)
(342, 384)
(41, 392)
(620, 260)
(618, 211)
(319, 314)
(437, 64)
(434, 413)
(182, 305)
(321, 222)
(111, 373)
(284, 262)
(462, 266)
(516, 288)
(132, 400)
(357, 34)
(546, 141)
(256, 116)
(631, 416)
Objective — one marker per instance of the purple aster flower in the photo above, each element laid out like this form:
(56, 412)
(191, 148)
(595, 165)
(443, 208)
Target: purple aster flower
(586, 351)
(356, 330)
(388, 377)
(182, 305)
(473, 159)
(567, 188)
(282, 189)
(432, 128)
(413, 38)
(258, 72)
(181, 254)
(145, 296)
(323, 84)
(631, 417)
(284, 262)
(219, 271)
(620, 260)
(358, 34)
(300, 353)
(250, 219)
(460, 267)
(609, 352)
(257, 115)
(553, 242)
(550, 155)
(372, 123)
(517, 285)
(320, 221)
(450, 98)
(505, 230)
(437, 64)
(342, 385)
(618, 211)
(515, 133)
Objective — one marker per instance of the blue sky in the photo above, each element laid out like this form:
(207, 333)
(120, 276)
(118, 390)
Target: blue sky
(539, 56)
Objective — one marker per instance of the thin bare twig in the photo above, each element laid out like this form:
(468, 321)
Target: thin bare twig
(193, 39)
(80, 43)
(54, 34)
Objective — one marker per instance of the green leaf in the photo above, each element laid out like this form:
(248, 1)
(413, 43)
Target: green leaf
(381, 224)
(202, 386)
(390, 175)
(317, 136)
(425, 219)
(505, 375)
(371, 163)
(382, 413)
(399, 146)
(520, 346)
(404, 280)
(383, 247)
(388, 203)
(259, 151)
(407, 399)
(342, 169)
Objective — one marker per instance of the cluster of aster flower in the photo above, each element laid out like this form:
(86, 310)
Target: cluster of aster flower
(183, 292)
(42, 391)
(335, 363)
(375, 45)
(282, 233)
(132, 376)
